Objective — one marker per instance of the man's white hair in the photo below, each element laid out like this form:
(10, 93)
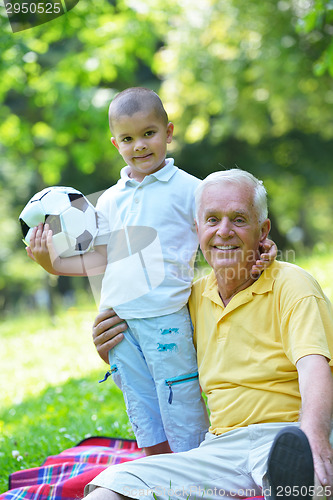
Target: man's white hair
(238, 177)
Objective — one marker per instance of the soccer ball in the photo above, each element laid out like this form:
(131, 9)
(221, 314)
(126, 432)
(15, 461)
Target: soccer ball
(70, 215)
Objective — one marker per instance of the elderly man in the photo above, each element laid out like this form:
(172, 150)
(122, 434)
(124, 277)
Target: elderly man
(264, 348)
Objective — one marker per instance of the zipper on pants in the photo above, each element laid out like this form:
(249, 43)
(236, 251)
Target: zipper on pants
(113, 369)
(179, 380)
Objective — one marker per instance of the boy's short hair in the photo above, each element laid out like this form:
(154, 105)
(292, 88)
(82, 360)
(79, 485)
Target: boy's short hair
(136, 99)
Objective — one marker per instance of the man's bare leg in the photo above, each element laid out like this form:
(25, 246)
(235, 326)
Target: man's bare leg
(105, 494)
(158, 449)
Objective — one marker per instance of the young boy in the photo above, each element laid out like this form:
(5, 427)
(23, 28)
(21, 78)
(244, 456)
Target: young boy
(146, 247)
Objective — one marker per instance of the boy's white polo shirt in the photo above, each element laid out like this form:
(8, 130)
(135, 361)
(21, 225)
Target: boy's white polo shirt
(150, 232)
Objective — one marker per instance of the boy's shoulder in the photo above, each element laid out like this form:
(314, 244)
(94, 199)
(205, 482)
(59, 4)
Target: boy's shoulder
(186, 176)
(173, 177)
(184, 183)
(108, 194)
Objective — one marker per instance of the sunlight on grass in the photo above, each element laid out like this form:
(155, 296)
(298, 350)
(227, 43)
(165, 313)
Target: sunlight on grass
(51, 398)
(38, 353)
(321, 267)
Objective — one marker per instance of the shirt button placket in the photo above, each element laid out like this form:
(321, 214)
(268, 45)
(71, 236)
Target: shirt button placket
(136, 199)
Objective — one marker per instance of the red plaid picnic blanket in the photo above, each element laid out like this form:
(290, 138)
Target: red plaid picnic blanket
(64, 476)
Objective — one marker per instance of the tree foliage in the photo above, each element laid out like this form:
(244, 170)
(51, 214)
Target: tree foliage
(317, 24)
(246, 83)
(244, 72)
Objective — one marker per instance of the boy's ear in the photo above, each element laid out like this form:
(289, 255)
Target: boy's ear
(170, 128)
(114, 142)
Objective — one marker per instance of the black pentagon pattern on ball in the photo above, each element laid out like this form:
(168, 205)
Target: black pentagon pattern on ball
(54, 222)
(78, 201)
(24, 227)
(83, 241)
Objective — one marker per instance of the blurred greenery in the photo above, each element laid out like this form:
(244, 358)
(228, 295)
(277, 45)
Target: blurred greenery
(246, 83)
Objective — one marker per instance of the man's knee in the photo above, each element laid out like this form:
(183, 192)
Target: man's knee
(104, 494)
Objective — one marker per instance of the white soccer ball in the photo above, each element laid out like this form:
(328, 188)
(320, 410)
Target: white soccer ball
(70, 215)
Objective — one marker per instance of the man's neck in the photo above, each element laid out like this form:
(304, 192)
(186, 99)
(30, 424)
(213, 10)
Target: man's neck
(229, 287)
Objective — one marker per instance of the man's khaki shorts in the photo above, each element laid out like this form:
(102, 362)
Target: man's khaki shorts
(232, 464)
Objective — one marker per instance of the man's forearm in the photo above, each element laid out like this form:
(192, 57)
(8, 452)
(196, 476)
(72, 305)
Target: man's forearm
(316, 388)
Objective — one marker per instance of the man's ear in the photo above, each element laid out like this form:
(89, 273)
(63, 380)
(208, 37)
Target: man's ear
(265, 228)
(170, 128)
(196, 225)
(114, 142)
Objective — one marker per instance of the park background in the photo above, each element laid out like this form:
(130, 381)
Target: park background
(246, 83)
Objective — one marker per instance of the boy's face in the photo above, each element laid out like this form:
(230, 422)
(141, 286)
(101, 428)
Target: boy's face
(142, 140)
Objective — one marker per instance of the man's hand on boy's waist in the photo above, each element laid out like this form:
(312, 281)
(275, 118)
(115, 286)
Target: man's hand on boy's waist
(107, 332)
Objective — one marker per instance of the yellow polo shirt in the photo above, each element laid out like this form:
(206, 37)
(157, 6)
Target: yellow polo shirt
(247, 350)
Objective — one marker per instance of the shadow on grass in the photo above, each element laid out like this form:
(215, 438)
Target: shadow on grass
(57, 419)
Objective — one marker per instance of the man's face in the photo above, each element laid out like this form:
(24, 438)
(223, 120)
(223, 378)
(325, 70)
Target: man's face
(228, 228)
(142, 140)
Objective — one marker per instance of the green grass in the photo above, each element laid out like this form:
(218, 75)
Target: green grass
(50, 396)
